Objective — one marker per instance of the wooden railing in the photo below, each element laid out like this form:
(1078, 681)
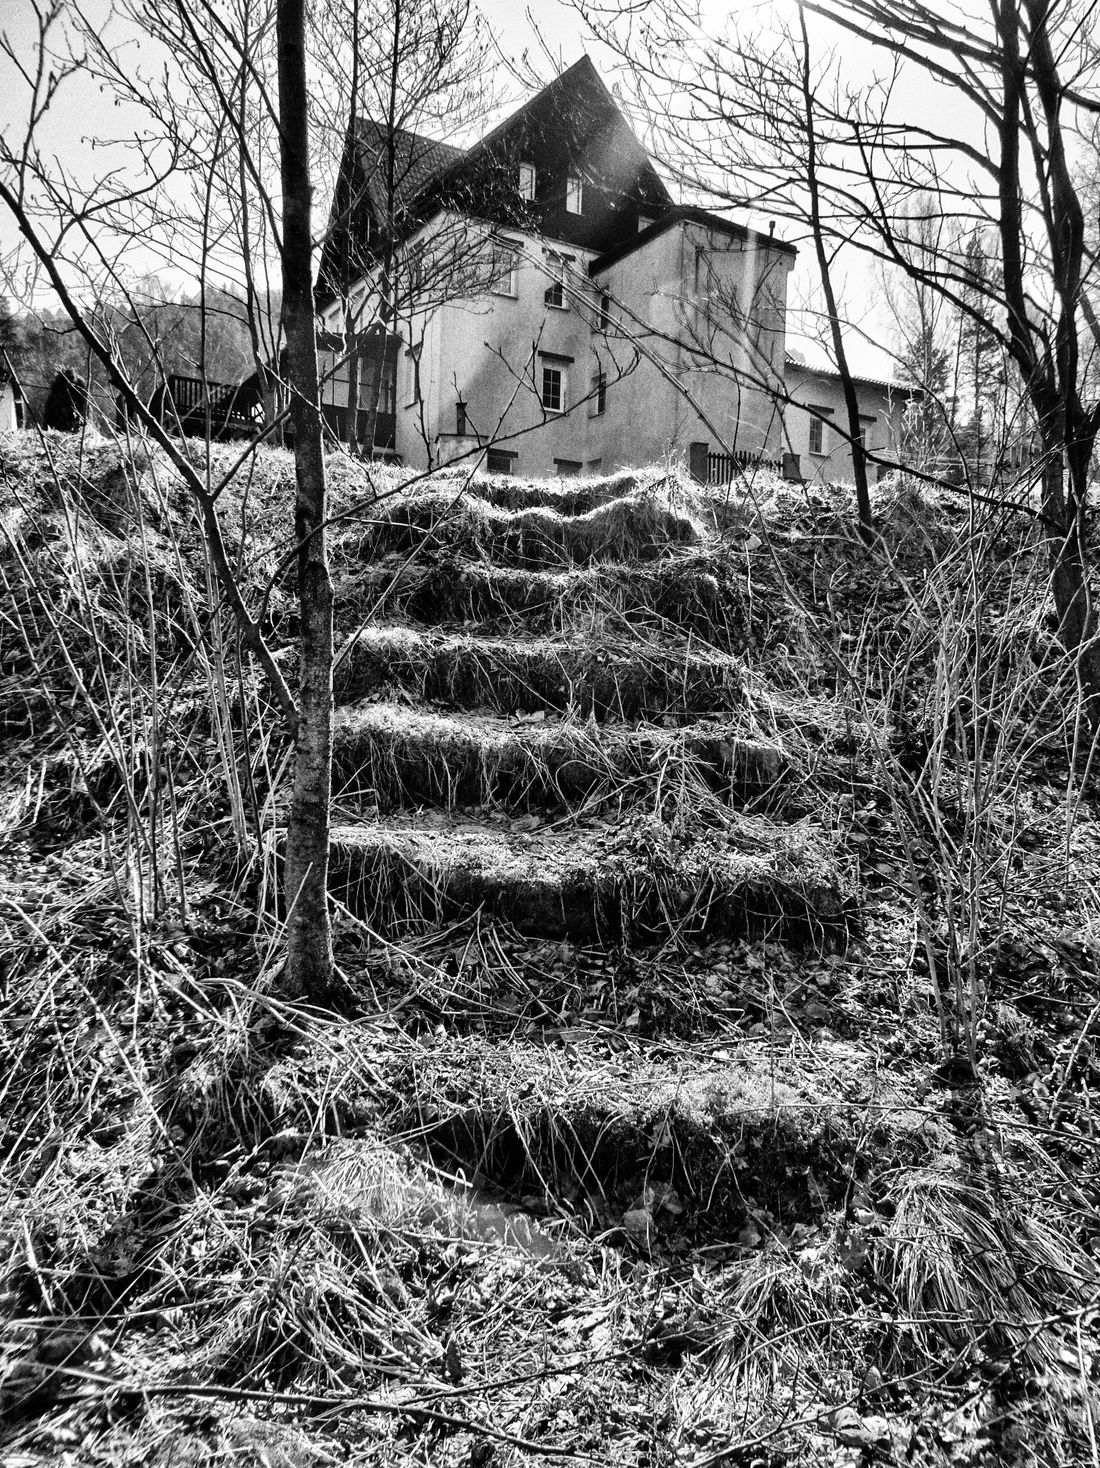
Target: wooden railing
(726, 468)
(193, 406)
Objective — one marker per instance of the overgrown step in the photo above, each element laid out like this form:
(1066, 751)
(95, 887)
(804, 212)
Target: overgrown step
(755, 1128)
(615, 883)
(704, 593)
(640, 525)
(389, 755)
(609, 678)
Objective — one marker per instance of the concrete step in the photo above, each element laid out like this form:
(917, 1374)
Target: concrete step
(610, 678)
(642, 524)
(704, 593)
(698, 1142)
(637, 883)
(391, 755)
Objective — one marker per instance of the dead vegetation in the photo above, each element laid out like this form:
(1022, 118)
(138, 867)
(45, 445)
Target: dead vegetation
(716, 919)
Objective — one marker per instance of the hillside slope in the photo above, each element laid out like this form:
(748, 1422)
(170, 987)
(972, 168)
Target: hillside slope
(685, 861)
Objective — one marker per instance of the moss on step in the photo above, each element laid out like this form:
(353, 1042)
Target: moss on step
(640, 885)
(389, 755)
(610, 679)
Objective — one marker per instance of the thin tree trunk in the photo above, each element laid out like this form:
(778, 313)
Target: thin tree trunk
(851, 401)
(351, 325)
(1077, 624)
(309, 933)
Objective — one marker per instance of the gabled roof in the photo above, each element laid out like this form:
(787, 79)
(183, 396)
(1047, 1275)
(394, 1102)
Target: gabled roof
(573, 122)
(416, 162)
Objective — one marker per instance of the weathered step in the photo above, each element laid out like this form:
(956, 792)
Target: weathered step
(389, 755)
(640, 525)
(706, 593)
(639, 883)
(571, 496)
(620, 679)
(701, 1140)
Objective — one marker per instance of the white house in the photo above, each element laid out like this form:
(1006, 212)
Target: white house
(546, 304)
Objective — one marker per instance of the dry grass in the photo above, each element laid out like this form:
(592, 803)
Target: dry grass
(640, 883)
(609, 678)
(639, 525)
(390, 756)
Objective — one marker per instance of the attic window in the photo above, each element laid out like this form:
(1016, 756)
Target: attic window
(574, 194)
(644, 221)
(526, 184)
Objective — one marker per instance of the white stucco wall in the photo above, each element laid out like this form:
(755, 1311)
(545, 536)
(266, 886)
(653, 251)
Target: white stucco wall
(8, 419)
(881, 410)
(696, 333)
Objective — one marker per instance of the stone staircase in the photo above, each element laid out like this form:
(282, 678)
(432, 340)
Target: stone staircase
(569, 812)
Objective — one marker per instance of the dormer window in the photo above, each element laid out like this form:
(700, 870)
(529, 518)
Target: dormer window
(574, 194)
(526, 183)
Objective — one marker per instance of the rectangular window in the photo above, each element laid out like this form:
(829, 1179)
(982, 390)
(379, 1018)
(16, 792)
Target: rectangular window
(574, 194)
(505, 256)
(567, 468)
(557, 266)
(412, 375)
(594, 466)
(817, 435)
(499, 461)
(526, 182)
(461, 426)
(598, 395)
(604, 320)
(553, 388)
(387, 389)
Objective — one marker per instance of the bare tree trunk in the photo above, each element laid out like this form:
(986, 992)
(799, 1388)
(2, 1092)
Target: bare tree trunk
(351, 325)
(309, 933)
(1073, 603)
(851, 401)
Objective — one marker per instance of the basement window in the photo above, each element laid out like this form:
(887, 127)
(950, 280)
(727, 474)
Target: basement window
(567, 468)
(500, 461)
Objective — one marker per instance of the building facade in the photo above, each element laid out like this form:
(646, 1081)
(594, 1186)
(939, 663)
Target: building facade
(541, 304)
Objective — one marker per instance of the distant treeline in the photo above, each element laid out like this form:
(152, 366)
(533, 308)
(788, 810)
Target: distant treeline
(156, 334)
